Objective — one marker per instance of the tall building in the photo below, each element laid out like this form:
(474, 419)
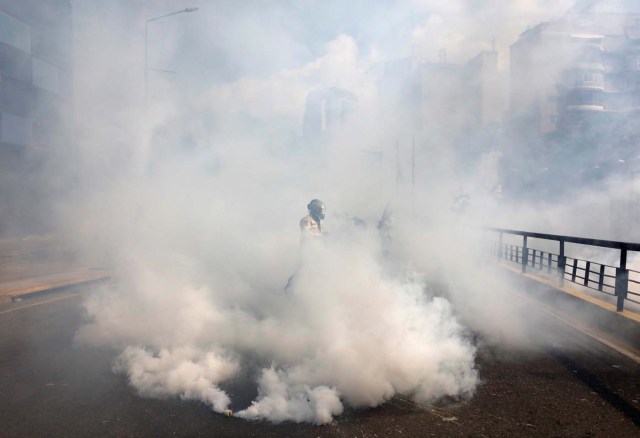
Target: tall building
(326, 110)
(443, 99)
(398, 82)
(36, 55)
(461, 102)
(578, 73)
(485, 87)
(461, 110)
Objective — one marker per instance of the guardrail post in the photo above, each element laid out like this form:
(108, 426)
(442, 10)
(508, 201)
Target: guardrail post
(562, 262)
(622, 280)
(587, 274)
(525, 254)
(500, 246)
(601, 278)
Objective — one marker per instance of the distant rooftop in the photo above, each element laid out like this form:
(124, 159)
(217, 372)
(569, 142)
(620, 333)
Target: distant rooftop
(607, 7)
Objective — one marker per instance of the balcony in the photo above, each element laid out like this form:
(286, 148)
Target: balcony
(585, 107)
(584, 85)
(586, 79)
(585, 100)
(592, 41)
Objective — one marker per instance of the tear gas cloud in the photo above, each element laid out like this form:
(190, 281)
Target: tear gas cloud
(194, 202)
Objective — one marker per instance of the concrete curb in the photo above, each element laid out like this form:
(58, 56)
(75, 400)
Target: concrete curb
(18, 290)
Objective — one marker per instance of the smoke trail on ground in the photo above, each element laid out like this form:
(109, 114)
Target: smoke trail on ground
(348, 331)
(186, 372)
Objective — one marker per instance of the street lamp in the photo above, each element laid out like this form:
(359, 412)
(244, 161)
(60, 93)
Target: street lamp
(146, 46)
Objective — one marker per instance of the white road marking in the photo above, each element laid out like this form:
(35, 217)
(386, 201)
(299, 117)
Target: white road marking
(66, 297)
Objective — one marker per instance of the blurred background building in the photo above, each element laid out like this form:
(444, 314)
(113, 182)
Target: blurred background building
(36, 107)
(462, 98)
(326, 110)
(575, 100)
(579, 72)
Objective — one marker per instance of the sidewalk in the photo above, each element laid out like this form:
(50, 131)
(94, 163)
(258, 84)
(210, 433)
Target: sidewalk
(40, 264)
(17, 289)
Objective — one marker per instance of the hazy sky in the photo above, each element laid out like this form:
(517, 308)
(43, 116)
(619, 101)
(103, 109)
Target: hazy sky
(225, 40)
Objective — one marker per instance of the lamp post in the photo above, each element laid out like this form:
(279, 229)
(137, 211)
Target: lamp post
(146, 47)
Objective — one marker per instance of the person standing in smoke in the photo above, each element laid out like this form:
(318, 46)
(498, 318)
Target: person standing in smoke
(311, 228)
(313, 223)
(460, 204)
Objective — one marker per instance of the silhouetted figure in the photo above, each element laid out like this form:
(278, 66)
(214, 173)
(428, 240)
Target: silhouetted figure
(312, 224)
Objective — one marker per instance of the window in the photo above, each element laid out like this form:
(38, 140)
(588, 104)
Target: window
(15, 64)
(588, 77)
(16, 130)
(15, 33)
(45, 75)
(585, 98)
(15, 96)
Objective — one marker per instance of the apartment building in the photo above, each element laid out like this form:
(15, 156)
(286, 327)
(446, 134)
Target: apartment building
(462, 97)
(578, 73)
(36, 102)
(326, 110)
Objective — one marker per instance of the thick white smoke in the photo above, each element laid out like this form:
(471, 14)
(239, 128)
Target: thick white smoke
(186, 372)
(197, 214)
(346, 330)
(369, 336)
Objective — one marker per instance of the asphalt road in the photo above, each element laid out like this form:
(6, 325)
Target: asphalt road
(51, 387)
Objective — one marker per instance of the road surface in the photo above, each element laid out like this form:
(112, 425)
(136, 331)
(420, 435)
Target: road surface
(51, 387)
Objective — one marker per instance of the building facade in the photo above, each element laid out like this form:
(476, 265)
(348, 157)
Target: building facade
(579, 73)
(462, 98)
(36, 104)
(326, 110)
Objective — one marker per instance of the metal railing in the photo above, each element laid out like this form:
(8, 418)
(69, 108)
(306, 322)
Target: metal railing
(611, 280)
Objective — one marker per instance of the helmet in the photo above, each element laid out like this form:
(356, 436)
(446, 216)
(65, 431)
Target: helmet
(316, 208)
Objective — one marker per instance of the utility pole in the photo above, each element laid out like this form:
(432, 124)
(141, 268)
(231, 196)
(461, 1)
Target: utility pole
(413, 173)
(146, 48)
(398, 177)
